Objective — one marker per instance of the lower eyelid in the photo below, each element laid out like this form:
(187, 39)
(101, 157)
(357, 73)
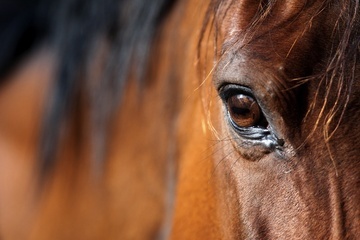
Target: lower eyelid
(249, 132)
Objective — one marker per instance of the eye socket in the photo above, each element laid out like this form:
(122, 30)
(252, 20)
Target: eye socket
(243, 110)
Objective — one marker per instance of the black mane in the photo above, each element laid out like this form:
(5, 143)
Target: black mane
(72, 28)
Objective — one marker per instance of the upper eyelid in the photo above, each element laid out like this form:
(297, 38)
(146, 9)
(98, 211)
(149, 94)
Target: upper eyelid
(227, 90)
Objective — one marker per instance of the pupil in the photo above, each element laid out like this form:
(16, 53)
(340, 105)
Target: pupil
(240, 111)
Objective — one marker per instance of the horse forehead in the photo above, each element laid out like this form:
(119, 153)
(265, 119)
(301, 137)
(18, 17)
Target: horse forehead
(237, 16)
(287, 35)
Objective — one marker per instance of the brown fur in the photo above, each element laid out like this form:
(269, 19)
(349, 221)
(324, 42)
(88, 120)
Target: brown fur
(175, 169)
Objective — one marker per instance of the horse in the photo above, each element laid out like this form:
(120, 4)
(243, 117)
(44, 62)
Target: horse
(159, 119)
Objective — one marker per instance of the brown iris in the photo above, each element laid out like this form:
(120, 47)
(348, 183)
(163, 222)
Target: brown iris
(243, 110)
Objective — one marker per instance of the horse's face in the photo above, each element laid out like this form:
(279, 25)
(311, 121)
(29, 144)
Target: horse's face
(286, 156)
(284, 164)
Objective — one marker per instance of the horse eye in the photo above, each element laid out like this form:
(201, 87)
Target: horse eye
(243, 110)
